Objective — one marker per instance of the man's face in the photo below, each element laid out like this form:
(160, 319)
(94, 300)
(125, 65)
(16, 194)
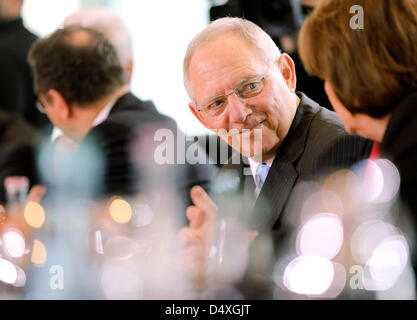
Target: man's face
(358, 123)
(50, 110)
(344, 115)
(219, 67)
(57, 110)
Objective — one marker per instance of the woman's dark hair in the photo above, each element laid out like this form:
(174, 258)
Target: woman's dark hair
(370, 69)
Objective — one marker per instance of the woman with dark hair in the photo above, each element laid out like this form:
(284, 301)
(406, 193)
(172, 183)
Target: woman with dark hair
(370, 74)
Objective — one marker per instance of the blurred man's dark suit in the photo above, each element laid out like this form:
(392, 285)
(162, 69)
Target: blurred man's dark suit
(315, 145)
(18, 146)
(125, 144)
(16, 81)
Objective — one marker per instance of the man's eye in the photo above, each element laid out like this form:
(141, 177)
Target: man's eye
(252, 86)
(216, 104)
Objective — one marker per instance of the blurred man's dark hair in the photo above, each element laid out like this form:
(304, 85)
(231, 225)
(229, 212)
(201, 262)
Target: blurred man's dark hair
(78, 62)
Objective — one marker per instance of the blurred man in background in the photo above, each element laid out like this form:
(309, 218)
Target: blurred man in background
(116, 32)
(16, 81)
(111, 130)
(99, 111)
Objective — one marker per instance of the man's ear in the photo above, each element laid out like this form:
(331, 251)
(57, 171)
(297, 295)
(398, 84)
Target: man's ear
(287, 67)
(197, 114)
(57, 101)
(129, 68)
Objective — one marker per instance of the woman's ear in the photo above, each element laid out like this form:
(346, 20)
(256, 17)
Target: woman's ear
(287, 67)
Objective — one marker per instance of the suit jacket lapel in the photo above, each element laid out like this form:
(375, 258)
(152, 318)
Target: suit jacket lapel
(283, 174)
(274, 195)
(248, 190)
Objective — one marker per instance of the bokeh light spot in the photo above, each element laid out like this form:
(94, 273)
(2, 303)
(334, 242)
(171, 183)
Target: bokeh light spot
(34, 215)
(39, 253)
(14, 244)
(368, 236)
(8, 273)
(321, 236)
(120, 211)
(310, 275)
(388, 260)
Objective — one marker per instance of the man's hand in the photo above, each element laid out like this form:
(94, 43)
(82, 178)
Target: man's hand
(36, 194)
(196, 239)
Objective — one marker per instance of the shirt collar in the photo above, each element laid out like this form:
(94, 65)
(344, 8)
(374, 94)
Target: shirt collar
(101, 117)
(104, 113)
(254, 165)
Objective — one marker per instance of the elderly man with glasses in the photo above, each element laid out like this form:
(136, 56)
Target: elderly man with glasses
(241, 85)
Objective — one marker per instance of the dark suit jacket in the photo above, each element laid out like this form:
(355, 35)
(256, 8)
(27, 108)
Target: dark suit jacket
(315, 144)
(18, 146)
(16, 81)
(400, 146)
(126, 145)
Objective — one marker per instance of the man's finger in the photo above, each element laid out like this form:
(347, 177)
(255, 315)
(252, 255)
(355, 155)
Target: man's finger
(201, 200)
(36, 194)
(195, 216)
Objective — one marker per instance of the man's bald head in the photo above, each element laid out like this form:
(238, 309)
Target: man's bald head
(222, 29)
(79, 38)
(111, 26)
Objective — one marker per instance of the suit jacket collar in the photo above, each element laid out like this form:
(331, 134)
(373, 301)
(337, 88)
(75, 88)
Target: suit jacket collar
(284, 174)
(129, 101)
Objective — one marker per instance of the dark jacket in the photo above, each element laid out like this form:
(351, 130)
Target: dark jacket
(16, 81)
(400, 146)
(126, 145)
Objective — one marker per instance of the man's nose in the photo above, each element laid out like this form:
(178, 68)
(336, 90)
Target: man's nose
(238, 111)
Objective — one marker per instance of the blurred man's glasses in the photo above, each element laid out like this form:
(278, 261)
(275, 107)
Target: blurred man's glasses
(248, 89)
(40, 106)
